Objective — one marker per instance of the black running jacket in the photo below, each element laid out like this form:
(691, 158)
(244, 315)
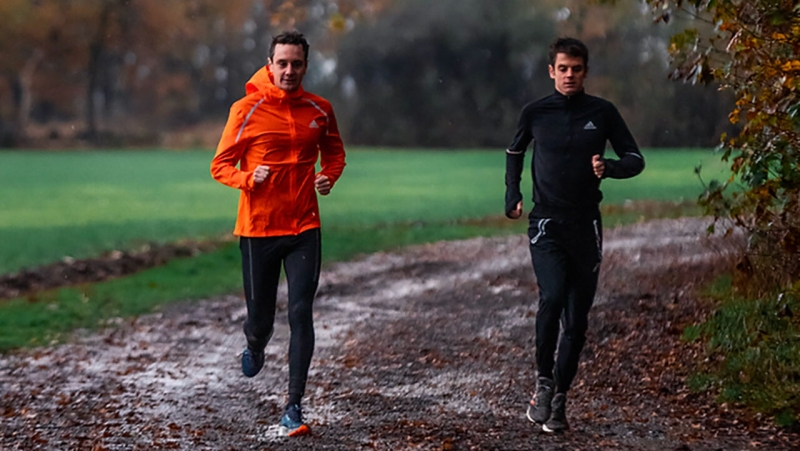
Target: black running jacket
(567, 131)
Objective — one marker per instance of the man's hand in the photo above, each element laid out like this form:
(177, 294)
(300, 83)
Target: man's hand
(260, 174)
(323, 184)
(515, 214)
(598, 166)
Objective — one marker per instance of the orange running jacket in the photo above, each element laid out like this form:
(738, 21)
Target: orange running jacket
(286, 131)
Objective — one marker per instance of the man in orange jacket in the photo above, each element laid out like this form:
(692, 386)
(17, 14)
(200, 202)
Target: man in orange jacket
(275, 134)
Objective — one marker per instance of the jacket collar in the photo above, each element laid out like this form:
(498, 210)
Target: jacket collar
(580, 95)
(261, 82)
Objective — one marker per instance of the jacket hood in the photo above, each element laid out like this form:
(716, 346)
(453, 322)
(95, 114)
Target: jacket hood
(261, 82)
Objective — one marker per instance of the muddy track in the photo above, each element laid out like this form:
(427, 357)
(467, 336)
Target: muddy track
(428, 348)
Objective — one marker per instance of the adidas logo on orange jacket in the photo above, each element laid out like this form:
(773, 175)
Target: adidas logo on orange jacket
(287, 131)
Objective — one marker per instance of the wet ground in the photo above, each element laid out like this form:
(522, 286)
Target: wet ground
(428, 348)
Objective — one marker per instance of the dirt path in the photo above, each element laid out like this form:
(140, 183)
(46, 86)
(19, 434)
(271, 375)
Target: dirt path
(428, 348)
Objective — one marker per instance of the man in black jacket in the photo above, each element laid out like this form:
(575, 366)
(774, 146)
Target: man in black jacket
(569, 129)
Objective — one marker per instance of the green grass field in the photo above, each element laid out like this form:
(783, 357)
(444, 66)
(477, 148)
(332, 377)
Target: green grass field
(81, 203)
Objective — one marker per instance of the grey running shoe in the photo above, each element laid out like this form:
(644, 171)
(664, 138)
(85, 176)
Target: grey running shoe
(539, 408)
(558, 419)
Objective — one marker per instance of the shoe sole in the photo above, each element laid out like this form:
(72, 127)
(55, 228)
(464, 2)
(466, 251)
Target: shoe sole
(301, 431)
(530, 418)
(251, 375)
(554, 431)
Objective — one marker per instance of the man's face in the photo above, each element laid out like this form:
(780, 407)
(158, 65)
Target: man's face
(288, 66)
(569, 72)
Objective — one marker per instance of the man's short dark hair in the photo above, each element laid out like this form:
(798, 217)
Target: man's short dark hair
(291, 38)
(571, 47)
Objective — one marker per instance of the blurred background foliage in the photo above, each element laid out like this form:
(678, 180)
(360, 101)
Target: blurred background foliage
(446, 73)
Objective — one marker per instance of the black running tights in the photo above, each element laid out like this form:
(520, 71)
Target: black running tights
(261, 267)
(566, 259)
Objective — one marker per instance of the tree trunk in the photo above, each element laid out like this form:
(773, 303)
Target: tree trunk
(25, 83)
(96, 48)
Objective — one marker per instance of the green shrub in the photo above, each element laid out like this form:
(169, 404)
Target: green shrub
(754, 347)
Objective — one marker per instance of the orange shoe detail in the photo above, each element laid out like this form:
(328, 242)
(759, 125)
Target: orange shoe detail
(302, 430)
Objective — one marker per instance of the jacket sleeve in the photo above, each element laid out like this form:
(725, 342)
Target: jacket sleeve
(631, 161)
(229, 153)
(332, 151)
(515, 160)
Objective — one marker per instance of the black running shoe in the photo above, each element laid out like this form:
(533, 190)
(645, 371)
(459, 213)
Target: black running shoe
(252, 362)
(558, 419)
(539, 408)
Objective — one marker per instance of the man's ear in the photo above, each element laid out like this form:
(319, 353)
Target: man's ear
(552, 71)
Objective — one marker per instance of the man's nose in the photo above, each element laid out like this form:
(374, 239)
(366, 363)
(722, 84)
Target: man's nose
(290, 69)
